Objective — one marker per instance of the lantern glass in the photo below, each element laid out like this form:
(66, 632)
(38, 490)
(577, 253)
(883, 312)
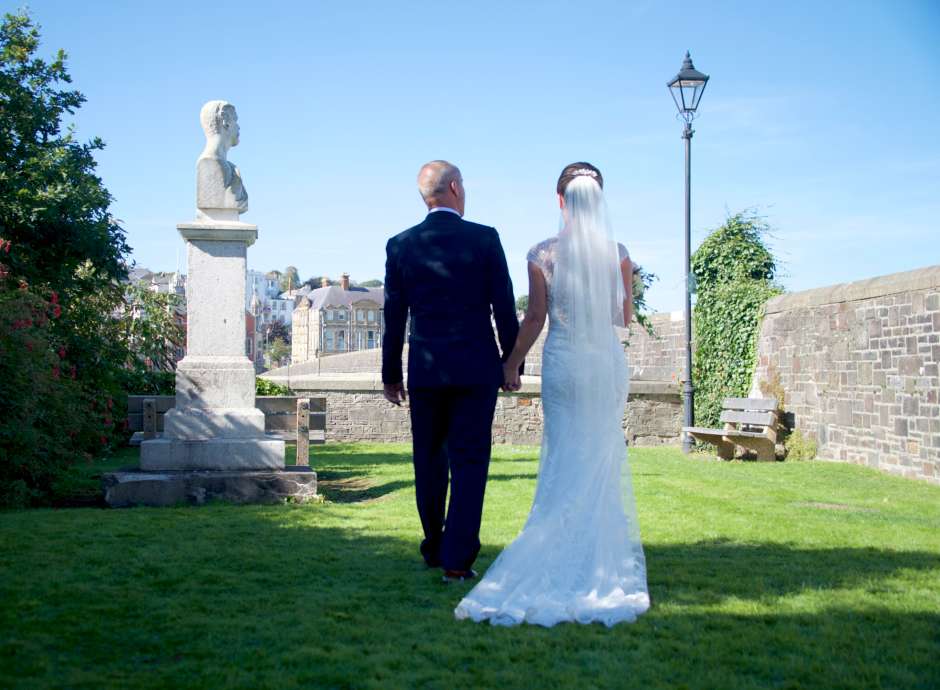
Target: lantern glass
(687, 88)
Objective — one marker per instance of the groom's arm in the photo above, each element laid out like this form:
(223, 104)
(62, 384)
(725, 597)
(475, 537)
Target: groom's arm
(396, 315)
(503, 300)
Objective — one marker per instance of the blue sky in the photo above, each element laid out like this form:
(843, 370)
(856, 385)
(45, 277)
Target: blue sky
(822, 116)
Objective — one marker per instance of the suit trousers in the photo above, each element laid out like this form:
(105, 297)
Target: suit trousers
(452, 430)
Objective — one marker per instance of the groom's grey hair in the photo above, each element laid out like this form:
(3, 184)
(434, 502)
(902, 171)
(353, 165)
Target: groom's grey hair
(435, 177)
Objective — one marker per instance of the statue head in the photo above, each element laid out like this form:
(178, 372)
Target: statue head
(219, 119)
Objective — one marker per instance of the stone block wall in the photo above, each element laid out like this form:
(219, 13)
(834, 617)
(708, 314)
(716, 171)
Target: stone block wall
(859, 365)
(357, 411)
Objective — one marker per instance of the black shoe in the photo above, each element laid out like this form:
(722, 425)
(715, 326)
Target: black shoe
(458, 575)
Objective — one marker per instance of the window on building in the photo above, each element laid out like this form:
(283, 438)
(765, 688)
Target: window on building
(370, 341)
(329, 341)
(371, 315)
(341, 340)
(360, 315)
(340, 314)
(329, 314)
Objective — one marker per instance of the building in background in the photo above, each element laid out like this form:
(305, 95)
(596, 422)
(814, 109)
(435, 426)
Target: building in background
(272, 305)
(336, 318)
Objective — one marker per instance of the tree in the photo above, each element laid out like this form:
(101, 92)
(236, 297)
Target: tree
(276, 330)
(53, 208)
(278, 351)
(290, 279)
(374, 283)
(152, 328)
(522, 303)
(314, 282)
(62, 260)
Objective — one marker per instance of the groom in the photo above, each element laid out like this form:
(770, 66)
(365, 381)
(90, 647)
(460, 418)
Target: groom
(451, 276)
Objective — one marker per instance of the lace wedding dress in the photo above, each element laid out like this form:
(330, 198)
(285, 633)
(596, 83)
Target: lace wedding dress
(579, 556)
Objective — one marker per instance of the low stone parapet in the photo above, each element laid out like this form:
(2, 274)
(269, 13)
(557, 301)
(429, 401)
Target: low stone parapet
(357, 410)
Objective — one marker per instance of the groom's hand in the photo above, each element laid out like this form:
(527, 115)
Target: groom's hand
(395, 393)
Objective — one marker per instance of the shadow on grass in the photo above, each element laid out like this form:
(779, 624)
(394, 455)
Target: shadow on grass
(195, 593)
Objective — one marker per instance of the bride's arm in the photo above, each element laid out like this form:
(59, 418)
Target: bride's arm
(531, 325)
(626, 270)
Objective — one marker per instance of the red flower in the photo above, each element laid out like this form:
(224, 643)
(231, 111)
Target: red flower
(104, 440)
(110, 403)
(62, 353)
(73, 373)
(56, 311)
(55, 297)
(29, 345)
(107, 421)
(55, 371)
(5, 245)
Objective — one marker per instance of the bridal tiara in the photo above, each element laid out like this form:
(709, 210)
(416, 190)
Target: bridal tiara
(584, 171)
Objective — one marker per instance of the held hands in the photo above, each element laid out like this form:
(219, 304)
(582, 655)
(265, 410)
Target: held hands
(511, 379)
(395, 393)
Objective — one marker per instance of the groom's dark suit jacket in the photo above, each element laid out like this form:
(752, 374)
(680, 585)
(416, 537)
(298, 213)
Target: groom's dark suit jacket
(451, 275)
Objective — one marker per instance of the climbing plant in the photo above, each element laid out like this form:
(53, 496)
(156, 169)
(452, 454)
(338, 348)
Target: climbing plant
(734, 272)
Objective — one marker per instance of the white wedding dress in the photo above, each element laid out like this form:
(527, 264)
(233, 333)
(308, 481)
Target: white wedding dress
(579, 556)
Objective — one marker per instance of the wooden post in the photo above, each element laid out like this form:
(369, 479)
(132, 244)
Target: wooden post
(150, 418)
(303, 431)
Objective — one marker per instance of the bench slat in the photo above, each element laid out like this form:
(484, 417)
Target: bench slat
(760, 404)
(755, 418)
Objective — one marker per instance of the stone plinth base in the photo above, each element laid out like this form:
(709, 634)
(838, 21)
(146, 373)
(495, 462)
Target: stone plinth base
(138, 488)
(223, 454)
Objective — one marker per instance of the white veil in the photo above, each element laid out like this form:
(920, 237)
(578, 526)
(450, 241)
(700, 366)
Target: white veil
(588, 293)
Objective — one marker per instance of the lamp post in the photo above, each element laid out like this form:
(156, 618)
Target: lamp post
(686, 89)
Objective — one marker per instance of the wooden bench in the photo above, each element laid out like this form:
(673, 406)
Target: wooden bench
(145, 416)
(748, 422)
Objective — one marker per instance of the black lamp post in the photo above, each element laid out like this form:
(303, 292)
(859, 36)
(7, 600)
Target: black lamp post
(686, 89)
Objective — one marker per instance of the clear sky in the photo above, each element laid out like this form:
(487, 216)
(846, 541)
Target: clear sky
(822, 116)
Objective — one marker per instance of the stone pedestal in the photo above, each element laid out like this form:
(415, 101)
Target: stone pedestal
(129, 488)
(214, 424)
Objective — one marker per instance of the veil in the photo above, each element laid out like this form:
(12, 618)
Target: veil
(588, 295)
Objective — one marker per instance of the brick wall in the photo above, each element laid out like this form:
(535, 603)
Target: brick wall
(859, 365)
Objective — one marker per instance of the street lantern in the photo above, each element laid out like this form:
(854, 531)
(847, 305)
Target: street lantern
(686, 89)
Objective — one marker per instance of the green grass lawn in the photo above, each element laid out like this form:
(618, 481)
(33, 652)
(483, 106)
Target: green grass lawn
(777, 575)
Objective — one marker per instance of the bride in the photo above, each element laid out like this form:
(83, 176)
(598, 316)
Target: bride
(579, 556)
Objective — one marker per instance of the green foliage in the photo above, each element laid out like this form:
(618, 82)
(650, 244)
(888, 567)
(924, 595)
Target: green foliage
(642, 281)
(277, 329)
(734, 272)
(41, 402)
(800, 446)
(153, 327)
(65, 352)
(265, 387)
(53, 208)
(315, 282)
(290, 279)
(522, 303)
(372, 283)
(277, 351)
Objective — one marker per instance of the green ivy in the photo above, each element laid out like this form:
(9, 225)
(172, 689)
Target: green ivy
(734, 273)
(265, 387)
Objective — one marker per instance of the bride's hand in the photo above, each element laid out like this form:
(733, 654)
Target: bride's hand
(511, 379)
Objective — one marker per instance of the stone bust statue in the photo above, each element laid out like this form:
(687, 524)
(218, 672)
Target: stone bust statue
(220, 194)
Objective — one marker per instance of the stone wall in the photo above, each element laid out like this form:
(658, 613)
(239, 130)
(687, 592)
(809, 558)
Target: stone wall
(357, 411)
(660, 357)
(859, 365)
